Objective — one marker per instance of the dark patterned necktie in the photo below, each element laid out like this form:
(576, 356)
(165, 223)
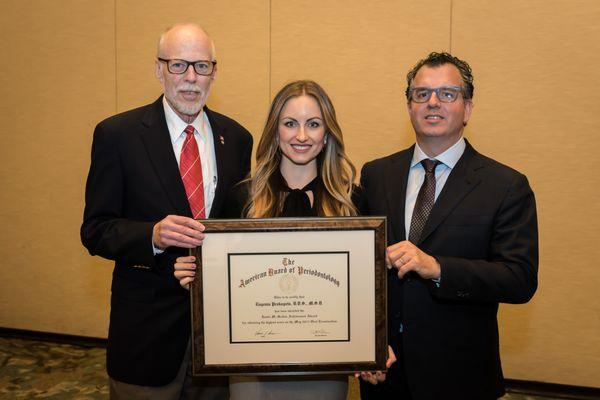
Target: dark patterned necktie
(425, 200)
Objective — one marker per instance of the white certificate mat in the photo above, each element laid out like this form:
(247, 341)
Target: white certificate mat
(289, 300)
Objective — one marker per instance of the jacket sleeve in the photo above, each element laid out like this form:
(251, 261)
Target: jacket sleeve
(105, 231)
(509, 274)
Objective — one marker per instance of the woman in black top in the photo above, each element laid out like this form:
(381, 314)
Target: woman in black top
(301, 171)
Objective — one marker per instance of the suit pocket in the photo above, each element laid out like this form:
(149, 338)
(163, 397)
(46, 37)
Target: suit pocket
(467, 220)
(129, 290)
(473, 326)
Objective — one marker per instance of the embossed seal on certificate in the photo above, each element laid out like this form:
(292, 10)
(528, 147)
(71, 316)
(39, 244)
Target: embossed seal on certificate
(288, 283)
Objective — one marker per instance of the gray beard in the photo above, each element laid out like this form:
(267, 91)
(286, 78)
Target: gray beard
(185, 109)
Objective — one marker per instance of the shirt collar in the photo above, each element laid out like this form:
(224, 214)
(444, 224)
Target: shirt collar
(176, 125)
(449, 157)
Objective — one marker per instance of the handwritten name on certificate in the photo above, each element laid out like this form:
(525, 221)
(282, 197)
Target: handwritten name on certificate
(289, 297)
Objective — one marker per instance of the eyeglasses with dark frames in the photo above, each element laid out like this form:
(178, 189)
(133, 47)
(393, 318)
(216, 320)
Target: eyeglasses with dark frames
(201, 67)
(445, 94)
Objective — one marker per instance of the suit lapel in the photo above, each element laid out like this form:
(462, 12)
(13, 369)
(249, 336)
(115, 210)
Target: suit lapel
(396, 180)
(160, 150)
(462, 180)
(219, 139)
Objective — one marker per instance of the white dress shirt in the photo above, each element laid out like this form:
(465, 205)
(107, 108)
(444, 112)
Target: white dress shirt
(206, 147)
(416, 175)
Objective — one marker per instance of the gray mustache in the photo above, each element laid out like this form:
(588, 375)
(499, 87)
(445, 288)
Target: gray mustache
(189, 88)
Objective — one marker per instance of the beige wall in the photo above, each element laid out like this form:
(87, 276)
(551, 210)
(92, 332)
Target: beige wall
(68, 64)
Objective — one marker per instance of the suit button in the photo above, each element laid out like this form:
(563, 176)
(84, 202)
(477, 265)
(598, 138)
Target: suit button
(462, 294)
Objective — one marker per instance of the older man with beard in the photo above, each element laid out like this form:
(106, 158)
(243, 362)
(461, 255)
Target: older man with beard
(154, 171)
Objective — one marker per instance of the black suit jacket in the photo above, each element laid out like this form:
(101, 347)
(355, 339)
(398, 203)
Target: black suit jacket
(133, 183)
(483, 232)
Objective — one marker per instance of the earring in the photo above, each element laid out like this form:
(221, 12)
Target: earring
(325, 140)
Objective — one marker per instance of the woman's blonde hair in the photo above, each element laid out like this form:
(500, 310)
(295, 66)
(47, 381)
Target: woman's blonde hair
(335, 169)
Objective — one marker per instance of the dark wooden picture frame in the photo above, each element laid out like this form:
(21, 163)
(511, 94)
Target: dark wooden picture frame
(283, 225)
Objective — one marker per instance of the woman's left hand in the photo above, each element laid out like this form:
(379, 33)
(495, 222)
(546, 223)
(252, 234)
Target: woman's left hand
(185, 270)
(378, 376)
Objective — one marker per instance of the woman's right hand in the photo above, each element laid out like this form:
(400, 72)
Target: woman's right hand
(185, 270)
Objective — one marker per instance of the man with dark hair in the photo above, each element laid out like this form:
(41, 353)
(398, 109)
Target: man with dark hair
(154, 171)
(439, 59)
(462, 235)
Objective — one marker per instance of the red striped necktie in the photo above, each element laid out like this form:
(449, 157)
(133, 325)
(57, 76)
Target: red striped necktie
(190, 169)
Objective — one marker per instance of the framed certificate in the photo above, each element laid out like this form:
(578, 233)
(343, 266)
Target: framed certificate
(290, 295)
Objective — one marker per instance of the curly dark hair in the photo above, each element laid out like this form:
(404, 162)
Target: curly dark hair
(435, 60)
